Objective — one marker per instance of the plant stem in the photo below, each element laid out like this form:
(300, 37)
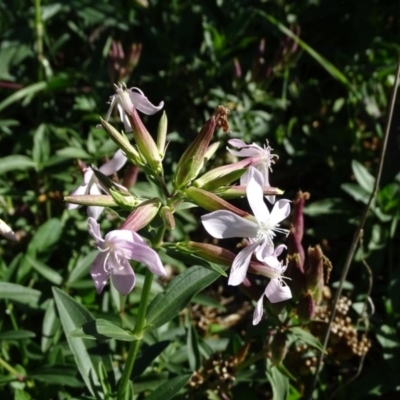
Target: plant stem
(39, 38)
(11, 370)
(138, 333)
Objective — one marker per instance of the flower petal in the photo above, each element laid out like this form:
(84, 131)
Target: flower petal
(148, 257)
(255, 196)
(237, 143)
(122, 277)
(94, 231)
(115, 164)
(259, 310)
(6, 231)
(98, 273)
(224, 224)
(94, 211)
(280, 211)
(277, 291)
(142, 103)
(123, 237)
(241, 264)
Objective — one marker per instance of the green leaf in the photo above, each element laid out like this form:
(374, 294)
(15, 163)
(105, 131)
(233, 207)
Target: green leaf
(178, 294)
(363, 177)
(306, 337)
(355, 191)
(88, 353)
(24, 92)
(101, 329)
(19, 293)
(50, 326)
(82, 267)
(17, 335)
(169, 389)
(57, 375)
(15, 162)
(279, 383)
(46, 236)
(327, 65)
(73, 152)
(45, 271)
(192, 345)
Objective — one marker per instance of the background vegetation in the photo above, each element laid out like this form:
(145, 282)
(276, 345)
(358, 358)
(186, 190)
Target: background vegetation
(313, 77)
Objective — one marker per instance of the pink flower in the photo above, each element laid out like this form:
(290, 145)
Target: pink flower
(260, 229)
(261, 157)
(116, 249)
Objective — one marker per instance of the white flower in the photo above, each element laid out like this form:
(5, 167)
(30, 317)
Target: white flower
(125, 99)
(6, 231)
(260, 229)
(261, 157)
(116, 249)
(276, 290)
(90, 184)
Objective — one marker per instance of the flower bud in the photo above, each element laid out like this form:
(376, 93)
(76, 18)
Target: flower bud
(162, 134)
(211, 151)
(235, 192)
(297, 228)
(122, 141)
(168, 218)
(208, 252)
(101, 200)
(127, 202)
(222, 176)
(278, 348)
(193, 158)
(306, 308)
(145, 143)
(211, 202)
(6, 231)
(107, 184)
(142, 215)
(317, 270)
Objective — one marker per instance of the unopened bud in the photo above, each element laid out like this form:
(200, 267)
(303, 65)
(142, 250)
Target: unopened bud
(236, 192)
(6, 231)
(211, 151)
(162, 134)
(142, 215)
(168, 218)
(317, 270)
(297, 228)
(306, 308)
(222, 176)
(122, 141)
(278, 348)
(101, 200)
(211, 202)
(127, 202)
(107, 184)
(208, 252)
(145, 143)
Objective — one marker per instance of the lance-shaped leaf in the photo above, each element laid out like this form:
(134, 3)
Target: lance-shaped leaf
(177, 295)
(88, 354)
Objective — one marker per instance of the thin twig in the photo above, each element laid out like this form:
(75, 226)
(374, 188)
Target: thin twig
(364, 318)
(356, 237)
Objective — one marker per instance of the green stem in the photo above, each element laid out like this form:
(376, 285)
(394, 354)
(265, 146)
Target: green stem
(11, 370)
(39, 38)
(138, 333)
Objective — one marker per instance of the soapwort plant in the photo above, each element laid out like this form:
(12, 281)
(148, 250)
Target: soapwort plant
(283, 282)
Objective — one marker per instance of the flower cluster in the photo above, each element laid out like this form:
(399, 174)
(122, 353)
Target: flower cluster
(209, 190)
